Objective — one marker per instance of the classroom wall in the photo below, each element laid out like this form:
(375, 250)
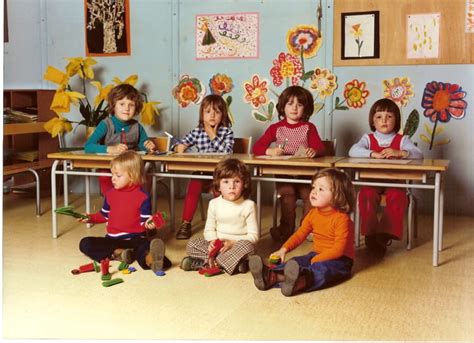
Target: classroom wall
(43, 32)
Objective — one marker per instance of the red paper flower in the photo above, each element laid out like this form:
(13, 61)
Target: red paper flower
(442, 101)
(286, 66)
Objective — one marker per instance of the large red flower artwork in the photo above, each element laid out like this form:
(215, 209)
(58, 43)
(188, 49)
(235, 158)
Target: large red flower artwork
(442, 101)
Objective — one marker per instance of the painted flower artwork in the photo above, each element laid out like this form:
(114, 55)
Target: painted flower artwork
(189, 90)
(442, 101)
(355, 93)
(357, 33)
(255, 93)
(220, 84)
(286, 67)
(324, 82)
(303, 40)
(398, 89)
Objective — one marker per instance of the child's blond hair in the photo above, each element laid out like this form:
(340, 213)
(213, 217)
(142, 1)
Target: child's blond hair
(232, 167)
(343, 192)
(131, 163)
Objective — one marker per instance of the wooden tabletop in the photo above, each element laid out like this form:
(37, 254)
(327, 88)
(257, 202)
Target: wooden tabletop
(421, 165)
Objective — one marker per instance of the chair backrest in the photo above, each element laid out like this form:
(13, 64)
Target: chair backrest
(161, 143)
(330, 147)
(243, 145)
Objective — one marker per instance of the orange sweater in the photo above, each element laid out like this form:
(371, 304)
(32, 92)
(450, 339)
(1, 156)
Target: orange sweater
(333, 235)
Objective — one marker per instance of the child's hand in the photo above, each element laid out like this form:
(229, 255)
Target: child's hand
(374, 154)
(83, 220)
(149, 224)
(117, 149)
(281, 253)
(393, 153)
(310, 152)
(149, 145)
(211, 131)
(228, 244)
(180, 148)
(274, 151)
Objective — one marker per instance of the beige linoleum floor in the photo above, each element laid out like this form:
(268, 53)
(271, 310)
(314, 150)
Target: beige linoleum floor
(401, 297)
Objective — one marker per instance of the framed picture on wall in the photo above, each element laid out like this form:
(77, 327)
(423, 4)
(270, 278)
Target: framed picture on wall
(360, 35)
(107, 27)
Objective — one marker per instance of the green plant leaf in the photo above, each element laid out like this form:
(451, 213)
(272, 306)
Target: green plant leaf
(228, 100)
(411, 125)
(259, 117)
(307, 75)
(271, 108)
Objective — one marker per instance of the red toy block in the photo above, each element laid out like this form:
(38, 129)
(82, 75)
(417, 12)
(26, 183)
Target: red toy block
(213, 271)
(159, 219)
(104, 265)
(90, 267)
(217, 246)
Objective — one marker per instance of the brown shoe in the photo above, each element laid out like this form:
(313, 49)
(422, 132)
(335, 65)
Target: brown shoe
(263, 277)
(295, 280)
(184, 231)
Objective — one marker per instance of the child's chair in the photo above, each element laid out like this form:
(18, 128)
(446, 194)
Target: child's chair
(330, 149)
(161, 144)
(411, 209)
(242, 145)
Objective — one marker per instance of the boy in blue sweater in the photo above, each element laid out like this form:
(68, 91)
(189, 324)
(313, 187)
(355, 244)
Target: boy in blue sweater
(119, 132)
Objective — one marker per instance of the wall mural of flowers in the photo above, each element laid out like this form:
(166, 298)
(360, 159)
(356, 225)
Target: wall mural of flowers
(221, 84)
(256, 94)
(188, 90)
(441, 101)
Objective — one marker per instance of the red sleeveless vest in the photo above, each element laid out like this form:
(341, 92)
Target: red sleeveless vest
(395, 144)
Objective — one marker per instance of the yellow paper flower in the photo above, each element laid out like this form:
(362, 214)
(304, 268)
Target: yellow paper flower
(56, 76)
(131, 80)
(92, 112)
(57, 125)
(324, 82)
(81, 66)
(62, 100)
(149, 111)
(103, 92)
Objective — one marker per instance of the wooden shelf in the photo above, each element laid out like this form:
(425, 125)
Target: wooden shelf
(23, 128)
(23, 167)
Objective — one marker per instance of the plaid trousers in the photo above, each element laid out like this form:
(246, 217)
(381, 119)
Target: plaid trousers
(229, 261)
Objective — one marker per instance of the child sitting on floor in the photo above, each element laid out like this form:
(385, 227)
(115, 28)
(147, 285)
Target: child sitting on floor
(231, 218)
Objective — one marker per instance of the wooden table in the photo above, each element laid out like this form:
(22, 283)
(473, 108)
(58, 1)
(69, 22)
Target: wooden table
(369, 172)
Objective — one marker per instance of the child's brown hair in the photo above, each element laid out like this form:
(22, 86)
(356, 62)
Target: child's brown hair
(232, 167)
(218, 104)
(303, 96)
(131, 163)
(121, 91)
(343, 193)
(385, 105)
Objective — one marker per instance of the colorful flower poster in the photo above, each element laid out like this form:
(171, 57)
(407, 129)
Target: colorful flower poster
(227, 36)
(423, 35)
(469, 16)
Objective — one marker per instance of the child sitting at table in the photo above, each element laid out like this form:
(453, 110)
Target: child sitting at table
(385, 142)
(213, 134)
(127, 210)
(295, 107)
(119, 131)
(331, 259)
(231, 218)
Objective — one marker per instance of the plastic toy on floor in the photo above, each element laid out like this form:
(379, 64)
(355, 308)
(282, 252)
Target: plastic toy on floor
(104, 265)
(159, 219)
(112, 282)
(273, 261)
(69, 211)
(213, 269)
(90, 267)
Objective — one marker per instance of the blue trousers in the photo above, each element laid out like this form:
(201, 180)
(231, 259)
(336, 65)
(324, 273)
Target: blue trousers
(99, 248)
(325, 273)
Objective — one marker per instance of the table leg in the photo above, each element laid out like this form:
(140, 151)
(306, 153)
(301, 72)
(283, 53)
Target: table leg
(441, 213)
(436, 220)
(153, 193)
(53, 200)
(259, 207)
(65, 184)
(172, 205)
(88, 197)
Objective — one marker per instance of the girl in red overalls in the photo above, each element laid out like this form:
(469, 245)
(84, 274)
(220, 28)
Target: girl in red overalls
(384, 142)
